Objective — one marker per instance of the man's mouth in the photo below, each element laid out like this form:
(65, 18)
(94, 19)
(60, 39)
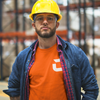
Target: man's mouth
(45, 28)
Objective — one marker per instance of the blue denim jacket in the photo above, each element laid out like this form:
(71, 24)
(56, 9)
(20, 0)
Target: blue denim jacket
(80, 72)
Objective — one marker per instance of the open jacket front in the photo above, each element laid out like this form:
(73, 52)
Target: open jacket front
(80, 72)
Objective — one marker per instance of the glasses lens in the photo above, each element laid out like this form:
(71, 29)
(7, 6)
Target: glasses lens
(48, 18)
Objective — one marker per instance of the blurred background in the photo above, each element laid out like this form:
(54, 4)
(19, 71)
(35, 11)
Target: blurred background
(80, 25)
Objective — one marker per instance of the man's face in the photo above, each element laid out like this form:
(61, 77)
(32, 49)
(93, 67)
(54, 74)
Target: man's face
(45, 25)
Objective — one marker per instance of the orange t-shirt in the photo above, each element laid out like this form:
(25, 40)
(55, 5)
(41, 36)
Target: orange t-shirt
(46, 76)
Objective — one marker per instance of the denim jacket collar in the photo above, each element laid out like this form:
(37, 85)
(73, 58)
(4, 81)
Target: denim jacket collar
(61, 43)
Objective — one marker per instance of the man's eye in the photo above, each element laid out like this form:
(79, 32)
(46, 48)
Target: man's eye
(50, 18)
(40, 18)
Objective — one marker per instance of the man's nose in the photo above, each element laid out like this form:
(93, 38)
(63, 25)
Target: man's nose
(45, 20)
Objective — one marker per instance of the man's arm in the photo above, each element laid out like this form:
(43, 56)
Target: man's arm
(14, 81)
(88, 80)
(15, 98)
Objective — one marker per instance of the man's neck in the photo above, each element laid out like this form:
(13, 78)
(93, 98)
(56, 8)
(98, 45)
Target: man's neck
(46, 42)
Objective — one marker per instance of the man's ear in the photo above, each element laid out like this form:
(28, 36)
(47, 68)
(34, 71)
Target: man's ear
(57, 24)
(33, 24)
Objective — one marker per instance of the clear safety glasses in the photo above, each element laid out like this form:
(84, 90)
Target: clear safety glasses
(41, 18)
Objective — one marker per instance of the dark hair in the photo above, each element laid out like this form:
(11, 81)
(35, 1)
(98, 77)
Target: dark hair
(34, 16)
(57, 16)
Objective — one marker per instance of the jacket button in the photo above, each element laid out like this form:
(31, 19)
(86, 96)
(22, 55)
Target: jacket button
(28, 60)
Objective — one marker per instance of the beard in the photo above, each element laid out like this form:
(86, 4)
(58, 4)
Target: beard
(46, 34)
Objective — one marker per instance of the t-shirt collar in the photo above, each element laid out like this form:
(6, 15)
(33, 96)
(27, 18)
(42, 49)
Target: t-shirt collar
(59, 44)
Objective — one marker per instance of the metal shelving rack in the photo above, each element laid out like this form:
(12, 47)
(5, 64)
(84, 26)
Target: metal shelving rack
(1, 62)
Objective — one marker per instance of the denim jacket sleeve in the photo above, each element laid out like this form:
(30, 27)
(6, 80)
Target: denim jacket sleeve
(81, 72)
(88, 80)
(14, 81)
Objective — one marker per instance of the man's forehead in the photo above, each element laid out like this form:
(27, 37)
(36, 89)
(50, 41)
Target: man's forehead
(45, 14)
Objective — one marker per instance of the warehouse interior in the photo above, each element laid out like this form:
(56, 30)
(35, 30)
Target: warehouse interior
(80, 25)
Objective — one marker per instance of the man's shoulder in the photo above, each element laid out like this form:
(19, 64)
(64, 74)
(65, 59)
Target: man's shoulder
(71, 49)
(24, 51)
(28, 49)
(68, 45)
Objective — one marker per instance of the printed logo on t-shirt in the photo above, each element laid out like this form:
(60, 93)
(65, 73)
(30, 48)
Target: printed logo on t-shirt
(54, 66)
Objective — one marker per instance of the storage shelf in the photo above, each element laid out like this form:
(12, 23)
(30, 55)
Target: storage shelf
(71, 6)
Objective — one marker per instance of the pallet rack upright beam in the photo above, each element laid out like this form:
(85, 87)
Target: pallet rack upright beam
(85, 28)
(24, 27)
(79, 11)
(93, 36)
(68, 24)
(1, 60)
(16, 18)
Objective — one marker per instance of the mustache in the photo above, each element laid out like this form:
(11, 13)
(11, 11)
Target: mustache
(45, 27)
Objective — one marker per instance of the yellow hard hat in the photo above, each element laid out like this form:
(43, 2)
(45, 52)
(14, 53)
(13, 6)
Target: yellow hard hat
(45, 6)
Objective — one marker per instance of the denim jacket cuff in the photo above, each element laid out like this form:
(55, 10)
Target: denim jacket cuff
(12, 92)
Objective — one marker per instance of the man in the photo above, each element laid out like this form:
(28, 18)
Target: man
(51, 68)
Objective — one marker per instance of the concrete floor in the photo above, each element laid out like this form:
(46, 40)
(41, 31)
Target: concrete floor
(3, 85)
